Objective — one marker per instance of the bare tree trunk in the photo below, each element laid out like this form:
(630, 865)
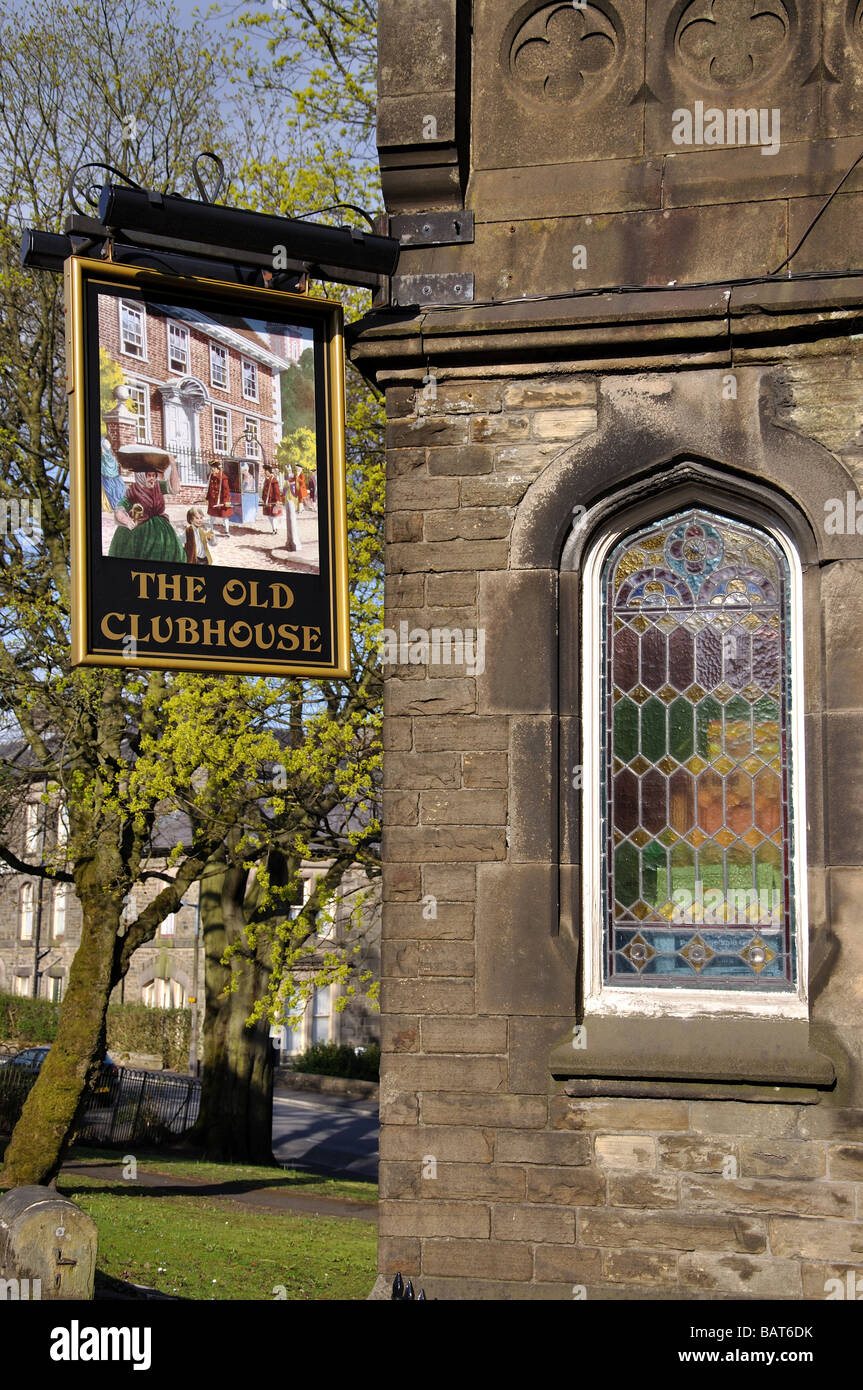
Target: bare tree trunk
(39, 1140)
(236, 1117)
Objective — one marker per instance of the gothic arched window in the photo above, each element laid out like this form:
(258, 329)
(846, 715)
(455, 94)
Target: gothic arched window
(693, 762)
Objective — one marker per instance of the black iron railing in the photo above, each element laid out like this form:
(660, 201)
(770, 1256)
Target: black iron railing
(404, 1292)
(140, 1106)
(122, 1107)
(193, 465)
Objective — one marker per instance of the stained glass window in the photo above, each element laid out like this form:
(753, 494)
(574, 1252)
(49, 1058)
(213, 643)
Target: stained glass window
(696, 774)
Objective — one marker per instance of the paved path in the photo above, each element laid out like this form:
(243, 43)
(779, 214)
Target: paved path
(258, 1193)
(328, 1134)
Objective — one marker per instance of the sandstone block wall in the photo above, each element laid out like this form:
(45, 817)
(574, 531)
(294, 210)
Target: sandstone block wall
(496, 1184)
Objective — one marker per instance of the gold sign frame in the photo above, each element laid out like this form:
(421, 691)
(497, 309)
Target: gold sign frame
(316, 642)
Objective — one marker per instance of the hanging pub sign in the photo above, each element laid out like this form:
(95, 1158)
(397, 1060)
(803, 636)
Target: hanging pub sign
(208, 476)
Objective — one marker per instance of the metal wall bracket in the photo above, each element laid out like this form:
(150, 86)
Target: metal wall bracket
(433, 228)
(87, 236)
(448, 287)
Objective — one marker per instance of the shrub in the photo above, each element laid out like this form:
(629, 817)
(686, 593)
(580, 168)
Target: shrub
(131, 1028)
(165, 1032)
(337, 1059)
(24, 1021)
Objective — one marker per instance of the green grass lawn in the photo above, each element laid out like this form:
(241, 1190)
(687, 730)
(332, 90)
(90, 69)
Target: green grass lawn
(200, 1246)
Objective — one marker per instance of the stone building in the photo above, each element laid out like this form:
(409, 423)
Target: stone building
(40, 923)
(623, 855)
(40, 929)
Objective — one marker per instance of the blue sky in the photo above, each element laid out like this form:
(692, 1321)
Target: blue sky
(191, 11)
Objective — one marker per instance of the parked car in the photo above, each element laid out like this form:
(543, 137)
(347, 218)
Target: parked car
(31, 1059)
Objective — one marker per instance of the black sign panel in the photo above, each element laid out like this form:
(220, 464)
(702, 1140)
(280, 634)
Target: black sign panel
(208, 479)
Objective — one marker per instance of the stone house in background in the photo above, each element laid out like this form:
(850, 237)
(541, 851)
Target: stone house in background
(40, 928)
(624, 383)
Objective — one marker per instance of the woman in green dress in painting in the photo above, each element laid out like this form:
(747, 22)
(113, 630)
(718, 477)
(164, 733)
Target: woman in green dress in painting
(144, 531)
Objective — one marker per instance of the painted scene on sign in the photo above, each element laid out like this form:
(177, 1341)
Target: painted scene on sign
(208, 450)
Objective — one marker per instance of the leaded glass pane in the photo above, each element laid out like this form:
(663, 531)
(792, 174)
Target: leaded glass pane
(697, 833)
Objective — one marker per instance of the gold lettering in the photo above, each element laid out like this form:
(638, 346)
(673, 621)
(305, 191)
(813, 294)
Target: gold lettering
(276, 590)
(237, 593)
(156, 627)
(290, 641)
(187, 630)
(209, 627)
(172, 581)
(310, 644)
(106, 631)
(134, 620)
(234, 635)
(195, 586)
(260, 629)
(234, 592)
(144, 577)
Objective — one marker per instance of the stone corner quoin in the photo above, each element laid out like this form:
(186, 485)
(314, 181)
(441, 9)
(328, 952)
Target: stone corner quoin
(714, 1156)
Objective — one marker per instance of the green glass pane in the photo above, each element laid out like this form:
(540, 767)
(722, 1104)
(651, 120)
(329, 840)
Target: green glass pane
(683, 856)
(710, 866)
(738, 708)
(740, 867)
(766, 720)
(765, 710)
(653, 874)
(626, 874)
(708, 725)
(626, 730)
(653, 737)
(680, 730)
(682, 869)
(768, 866)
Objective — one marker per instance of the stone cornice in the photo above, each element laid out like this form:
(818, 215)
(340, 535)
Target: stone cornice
(684, 326)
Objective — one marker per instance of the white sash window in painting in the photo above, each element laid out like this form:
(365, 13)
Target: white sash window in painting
(221, 430)
(178, 348)
(139, 400)
(219, 367)
(133, 329)
(253, 447)
(250, 380)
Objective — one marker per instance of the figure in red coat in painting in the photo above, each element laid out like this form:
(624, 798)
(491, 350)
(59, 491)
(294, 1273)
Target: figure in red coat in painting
(302, 490)
(271, 496)
(219, 495)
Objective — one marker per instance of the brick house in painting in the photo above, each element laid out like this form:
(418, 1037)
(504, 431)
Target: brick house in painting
(198, 387)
